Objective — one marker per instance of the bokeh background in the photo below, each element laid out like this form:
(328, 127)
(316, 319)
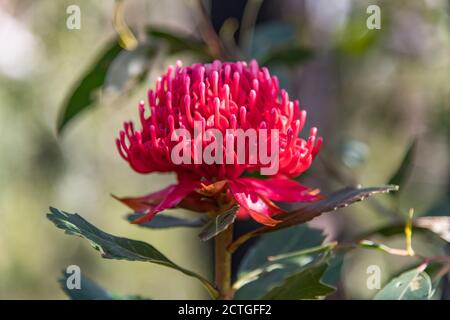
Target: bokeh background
(371, 93)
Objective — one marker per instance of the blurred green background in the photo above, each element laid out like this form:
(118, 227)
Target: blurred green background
(371, 93)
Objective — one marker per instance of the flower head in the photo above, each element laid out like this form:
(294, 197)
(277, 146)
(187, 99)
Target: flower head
(227, 97)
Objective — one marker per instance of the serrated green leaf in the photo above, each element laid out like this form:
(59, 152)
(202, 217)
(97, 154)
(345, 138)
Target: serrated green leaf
(412, 285)
(112, 247)
(161, 221)
(309, 211)
(402, 172)
(305, 284)
(218, 224)
(83, 96)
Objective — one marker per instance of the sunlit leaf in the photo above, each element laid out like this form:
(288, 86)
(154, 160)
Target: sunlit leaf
(308, 211)
(162, 220)
(83, 95)
(412, 285)
(118, 248)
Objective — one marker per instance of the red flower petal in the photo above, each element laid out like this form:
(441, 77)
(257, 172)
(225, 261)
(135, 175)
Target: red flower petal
(172, 198)
(155, 202)
(279, 189)
(147, 202)
(257, 207)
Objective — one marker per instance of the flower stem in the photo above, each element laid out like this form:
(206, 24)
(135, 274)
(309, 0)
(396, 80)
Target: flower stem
(223, 263)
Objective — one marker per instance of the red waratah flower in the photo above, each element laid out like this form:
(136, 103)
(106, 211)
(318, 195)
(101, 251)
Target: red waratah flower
(219, 96)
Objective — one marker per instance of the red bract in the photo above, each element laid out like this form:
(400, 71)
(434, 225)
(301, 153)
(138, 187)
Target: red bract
(220, 96)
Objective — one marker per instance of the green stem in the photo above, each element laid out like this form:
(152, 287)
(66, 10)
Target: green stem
(223, 263)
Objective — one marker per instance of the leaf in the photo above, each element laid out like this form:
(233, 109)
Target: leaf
(275, 257)
(308, 211)
(305, 284)
(403, 171)
(440, 209)
(289, 56)
(218, 224)
(178, 43)
(112, 247)
(438, 225)
(412, 285)
(286, 241)
(89, 290)
(162, 220)
(308, 251)
(83, 96)
(129, 68)
(333, 274)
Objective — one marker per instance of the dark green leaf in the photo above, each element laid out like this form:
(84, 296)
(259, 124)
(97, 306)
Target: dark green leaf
(275, 257)
(178, 43)
(308, 211)
(218, 224)
(287, 56)
(112, 247)
(403, 171)
(440, 209)
(333, 273)
(278, 243)
(264, 279)
(412, 285)
(83, 96)
(162, 220)
(89, 290)
(305, 284)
